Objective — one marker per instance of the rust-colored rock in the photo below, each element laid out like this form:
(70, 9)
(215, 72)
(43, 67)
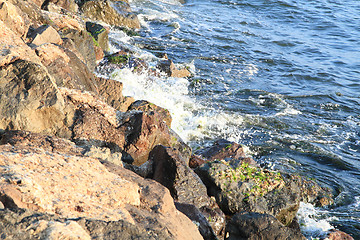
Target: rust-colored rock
(149, 108)
(338, 235)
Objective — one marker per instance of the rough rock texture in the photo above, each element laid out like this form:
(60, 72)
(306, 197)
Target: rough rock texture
(338, 235)
(83, 43)
(240, 187)
(111, 91)
(223, 149)
(12, 16)
(13, 48)
(110, 13)
(66, 68)
(33, 166)
(256, 226)
(69, 5)
(34, 102)
(149, 108)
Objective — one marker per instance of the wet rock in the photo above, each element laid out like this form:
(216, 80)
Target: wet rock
(259, 226)
(312, 192)
(222, 149)
(110, 12)
(30, 100)
(83, 43)
(338, 235)
(99, 33)
(66, 68)
(149, 108)
(239, 187)
(111, 91)
(121, 60)
(196, 161)
(194, 214)
(168, 67)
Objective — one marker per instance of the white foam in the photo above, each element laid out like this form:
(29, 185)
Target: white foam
(310, 221)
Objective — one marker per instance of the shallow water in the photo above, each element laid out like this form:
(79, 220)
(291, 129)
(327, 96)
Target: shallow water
(281, 77)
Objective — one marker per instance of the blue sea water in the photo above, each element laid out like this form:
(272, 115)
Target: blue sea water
(279, 76)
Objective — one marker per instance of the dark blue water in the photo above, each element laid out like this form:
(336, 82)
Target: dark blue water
(281, 77)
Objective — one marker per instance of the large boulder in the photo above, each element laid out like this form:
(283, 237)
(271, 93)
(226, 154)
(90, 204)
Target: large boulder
(172, 171)
(66, 68)
(237, 186)
(12, 16)
(113, 13)
(30, 100)
(254, 226)
(105, 199)
(84, 44)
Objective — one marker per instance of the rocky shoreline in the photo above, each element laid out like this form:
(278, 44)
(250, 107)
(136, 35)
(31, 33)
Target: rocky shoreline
(78, 160)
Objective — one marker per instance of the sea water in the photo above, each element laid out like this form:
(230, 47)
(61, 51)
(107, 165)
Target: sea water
(281, 77)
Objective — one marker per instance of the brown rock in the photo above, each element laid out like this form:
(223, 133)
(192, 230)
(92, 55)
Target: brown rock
(156, 198)
(12, 16)
(13, 48)
(69, 5)
(30, 100)
(45, 34)
(146, 131)
(99, 53)
(111, 91)
(169, 68)
(66, 68)
(196, 161)
(83, 43)
(338, 235)
(222, 149)
(172, 172)
(36, 175)
(104, 11)
(149, 108)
